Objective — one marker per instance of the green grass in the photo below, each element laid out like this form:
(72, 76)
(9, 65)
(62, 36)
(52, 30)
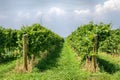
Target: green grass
(6, 67)
(63, 65)
(108, 63)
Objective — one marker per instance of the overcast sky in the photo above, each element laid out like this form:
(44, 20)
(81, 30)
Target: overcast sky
(61, 16)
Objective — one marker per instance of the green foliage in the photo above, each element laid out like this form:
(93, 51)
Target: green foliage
(82, 40)
(8, 39)
(40, 39)
(112, 42)
(2, 38)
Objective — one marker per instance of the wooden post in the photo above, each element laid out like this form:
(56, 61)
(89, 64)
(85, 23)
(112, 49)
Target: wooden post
(94, 63)
(96, 37)
(25, 67)
(94, 60)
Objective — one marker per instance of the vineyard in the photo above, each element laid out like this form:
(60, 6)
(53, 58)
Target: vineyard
(33, 52)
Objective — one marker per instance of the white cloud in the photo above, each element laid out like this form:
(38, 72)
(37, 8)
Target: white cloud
(56, 10)
(108, 12)
(3, 16)
(87, 11)
(24, 14)
(82, 16)
(109, 5)
(38, 14)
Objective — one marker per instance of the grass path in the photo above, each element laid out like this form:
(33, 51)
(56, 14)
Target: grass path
(67, 60)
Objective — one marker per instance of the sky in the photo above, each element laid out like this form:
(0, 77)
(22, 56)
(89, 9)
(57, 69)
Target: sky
(60, 16)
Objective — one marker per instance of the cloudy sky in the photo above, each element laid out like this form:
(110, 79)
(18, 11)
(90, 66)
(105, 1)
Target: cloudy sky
(61, 16)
